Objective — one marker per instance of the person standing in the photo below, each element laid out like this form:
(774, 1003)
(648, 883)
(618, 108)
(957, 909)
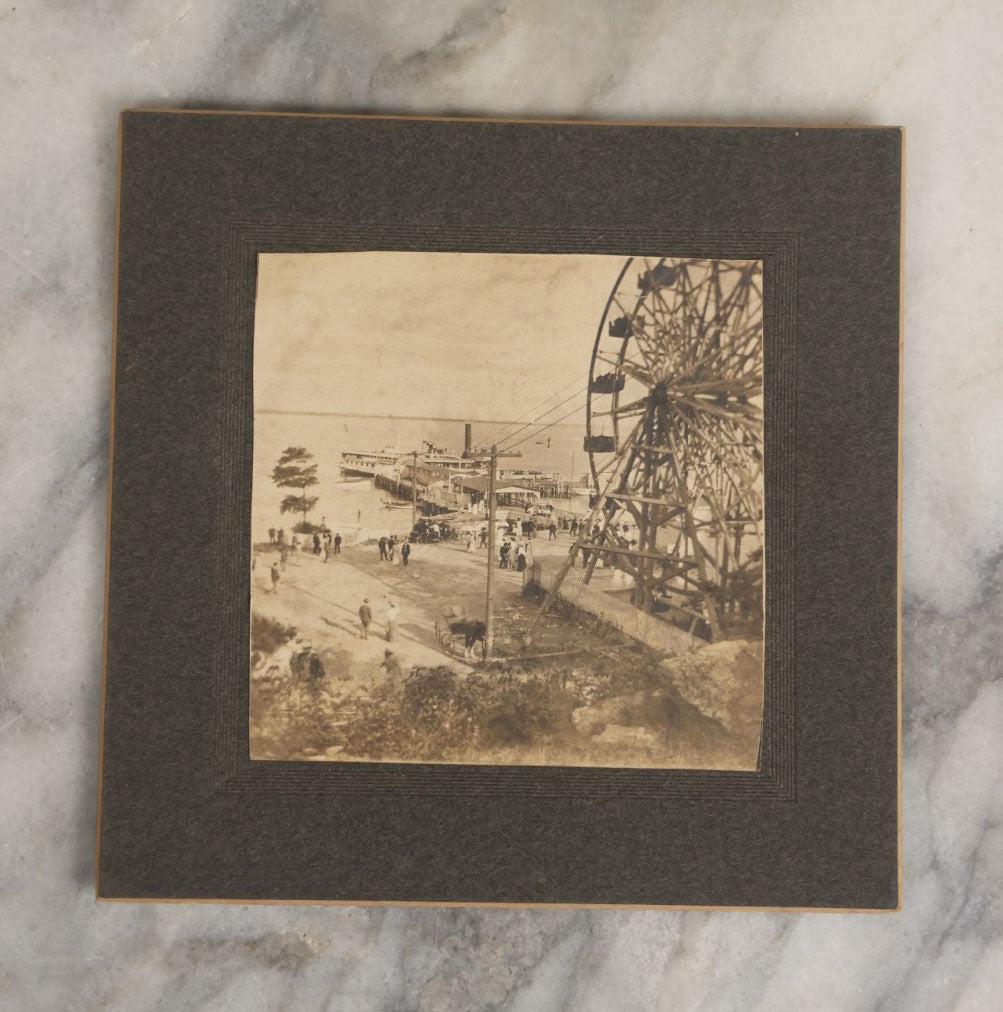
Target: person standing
(392, 551)
(337, 544)
(280, 535)
(553, 531)
(392, 617)
(283, 556)
(392, 665)
(503, 554)
(365, 617)
(326, 550)
(316, 543)
(405, 552)
(383, 549)
(484, 537)
(294, 556)
(275, 577)
(271, 535)
(520, 559)
(470, 541)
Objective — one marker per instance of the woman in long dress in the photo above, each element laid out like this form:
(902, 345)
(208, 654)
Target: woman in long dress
(393, 613)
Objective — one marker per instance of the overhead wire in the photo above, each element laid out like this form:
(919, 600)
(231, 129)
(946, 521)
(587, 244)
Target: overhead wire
(539, 420)
(545, 425)
(497, 437)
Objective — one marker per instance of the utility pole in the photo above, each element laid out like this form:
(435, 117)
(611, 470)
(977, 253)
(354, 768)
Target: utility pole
(414, 488)
(489, 619)
(582, 540)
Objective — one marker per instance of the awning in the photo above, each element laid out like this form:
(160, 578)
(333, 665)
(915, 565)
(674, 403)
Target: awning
(516, 490)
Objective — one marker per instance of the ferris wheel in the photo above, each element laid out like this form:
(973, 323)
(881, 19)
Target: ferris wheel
(675, 440)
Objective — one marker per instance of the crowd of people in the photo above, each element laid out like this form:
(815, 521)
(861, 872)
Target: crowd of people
(321, 542)
(514, 550)
(515, 536)
(514, 541)
(388, 546)
(326, 544)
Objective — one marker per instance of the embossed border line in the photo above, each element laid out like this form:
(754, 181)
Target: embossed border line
(240, 243)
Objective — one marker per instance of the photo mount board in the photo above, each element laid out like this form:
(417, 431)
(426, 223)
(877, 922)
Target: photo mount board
(184, 814)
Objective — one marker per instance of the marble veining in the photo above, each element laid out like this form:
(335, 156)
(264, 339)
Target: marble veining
(66, 69)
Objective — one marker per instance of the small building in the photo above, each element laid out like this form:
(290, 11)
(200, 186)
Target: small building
(516, 495)
(473, 489)
(545, 483)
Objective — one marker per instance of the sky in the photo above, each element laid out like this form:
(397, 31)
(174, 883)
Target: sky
(450, 335)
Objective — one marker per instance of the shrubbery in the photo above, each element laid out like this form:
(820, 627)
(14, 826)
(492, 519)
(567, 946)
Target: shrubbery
(268, 635)
(434, 714)
(440, 715)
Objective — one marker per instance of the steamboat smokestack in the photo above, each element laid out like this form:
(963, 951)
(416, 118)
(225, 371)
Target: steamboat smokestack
(468, 438)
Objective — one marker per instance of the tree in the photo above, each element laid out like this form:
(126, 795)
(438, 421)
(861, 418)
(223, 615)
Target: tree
(294, 471)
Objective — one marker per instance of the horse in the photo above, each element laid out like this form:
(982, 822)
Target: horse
(473, 631)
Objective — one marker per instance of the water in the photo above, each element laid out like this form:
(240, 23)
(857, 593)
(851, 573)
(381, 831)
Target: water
(351, 505)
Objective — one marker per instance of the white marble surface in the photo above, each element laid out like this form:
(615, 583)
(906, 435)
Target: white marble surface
(65, 70)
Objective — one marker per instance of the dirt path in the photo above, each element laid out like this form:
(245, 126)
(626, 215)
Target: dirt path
(322, 601)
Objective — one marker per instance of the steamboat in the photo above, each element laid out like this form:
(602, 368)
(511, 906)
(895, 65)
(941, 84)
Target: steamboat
(389, 461)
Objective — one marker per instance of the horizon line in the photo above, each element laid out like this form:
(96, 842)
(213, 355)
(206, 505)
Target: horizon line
(409, 418)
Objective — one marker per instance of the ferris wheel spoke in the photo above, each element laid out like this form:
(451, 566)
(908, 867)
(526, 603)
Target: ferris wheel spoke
(634, 331)
(717, 435)
(633, 407)
(732, 386)
(675, 320)
(684, 373)
(742, 339)
(698, 345)
(742, 414)
(742, 496)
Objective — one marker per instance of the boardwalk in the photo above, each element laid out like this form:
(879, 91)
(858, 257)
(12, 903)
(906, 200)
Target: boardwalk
(594, 598)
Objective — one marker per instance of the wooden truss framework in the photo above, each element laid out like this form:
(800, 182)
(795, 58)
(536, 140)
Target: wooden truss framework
(675, 439)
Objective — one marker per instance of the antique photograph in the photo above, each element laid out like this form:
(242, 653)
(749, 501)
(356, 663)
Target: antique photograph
(507, 509)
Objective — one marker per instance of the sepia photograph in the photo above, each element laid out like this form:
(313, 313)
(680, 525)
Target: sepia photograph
(507, 509)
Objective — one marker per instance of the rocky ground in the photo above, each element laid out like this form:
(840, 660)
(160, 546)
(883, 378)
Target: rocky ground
(568, 690)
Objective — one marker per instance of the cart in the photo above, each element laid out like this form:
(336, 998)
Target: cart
(459, 634)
